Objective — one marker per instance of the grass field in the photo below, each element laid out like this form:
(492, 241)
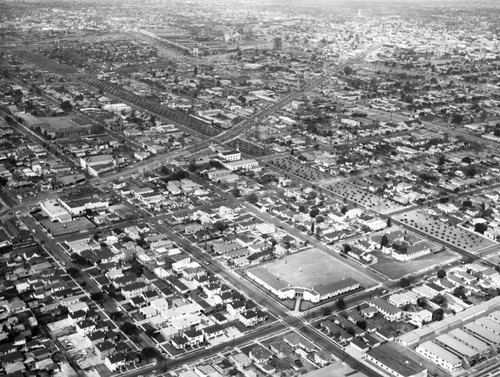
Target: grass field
(59, 123)
(312, 267)
(395, 269)
(46, 62)
(454, 235)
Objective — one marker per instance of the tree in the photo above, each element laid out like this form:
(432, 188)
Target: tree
(351, 331)
(314, 212)
(149, 353)
(9, 120)
(441, 274)
(115, 315)
(66, 106)
(236, 192)
(481, 228)
(348, 70)
(404, 282)
(439, 299)
(384, 241)
(73, 272)
(281, 363)
(195, 71)
(457, 118)
(442, 160)
(470, 171)
(347, 248)
(421, 302)
(467, 203)
(78, 259)
(252, 198)
(340, 304)
(128, 328)
(362, 324)
(97, 297)
(192, 167)
(460, 292)
(438, 314)
(220, 226)
(326, 311)
(389, 222)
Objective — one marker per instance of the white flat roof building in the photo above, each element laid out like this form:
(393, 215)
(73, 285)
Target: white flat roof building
(495, 316)
(482, 333)
(55, 211)
(489, 324)
(400, 299)
(457, 347)
(438, 355)
(471, 341)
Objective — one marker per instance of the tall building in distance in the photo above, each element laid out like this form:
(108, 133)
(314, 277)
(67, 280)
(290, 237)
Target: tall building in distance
(278, 43)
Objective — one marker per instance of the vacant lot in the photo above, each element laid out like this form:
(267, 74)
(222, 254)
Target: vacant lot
(451, 234)
(46, 62)
(395, 269)
(364, 198)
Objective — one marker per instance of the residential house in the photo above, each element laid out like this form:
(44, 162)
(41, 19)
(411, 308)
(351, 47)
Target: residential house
(259, 354)
(113, 362)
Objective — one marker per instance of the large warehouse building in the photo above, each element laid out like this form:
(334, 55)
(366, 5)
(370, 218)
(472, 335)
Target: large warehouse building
(310, 275)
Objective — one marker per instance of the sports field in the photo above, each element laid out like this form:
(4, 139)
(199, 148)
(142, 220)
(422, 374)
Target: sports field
(395, 269)
(312, 268)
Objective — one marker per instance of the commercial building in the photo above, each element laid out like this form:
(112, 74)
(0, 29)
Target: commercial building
(481, 347)
(297, 276)
(117, 108)
(102, 159)
(393, 360)
(249, 164)
(55, 211)
(438, 355)
(61, 128)
(230, 155)
(483, 334)
(283, 290)
(218, 174)
(30, 120)
(413, 252)
(59, 229)
(495, 316)
(489, 324)
(463, 351)
(78, 207)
